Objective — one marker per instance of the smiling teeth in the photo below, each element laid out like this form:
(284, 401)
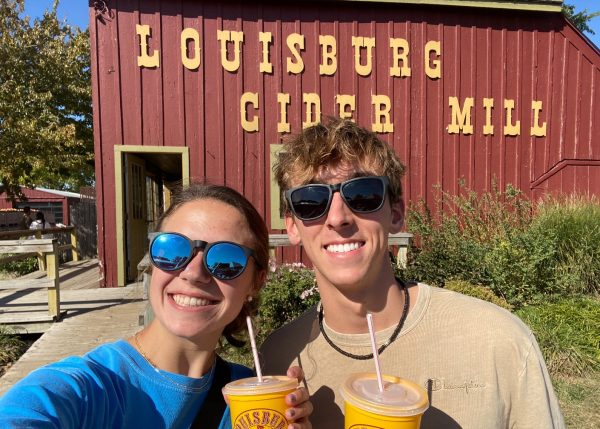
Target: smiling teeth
(341, 248)
(190, 301)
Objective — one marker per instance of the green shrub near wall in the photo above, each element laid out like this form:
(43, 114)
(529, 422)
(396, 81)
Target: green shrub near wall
(524, 253)
(291, 290)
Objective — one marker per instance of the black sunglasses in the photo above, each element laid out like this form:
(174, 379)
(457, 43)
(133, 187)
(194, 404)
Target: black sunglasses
(224, 260)
(361, 195)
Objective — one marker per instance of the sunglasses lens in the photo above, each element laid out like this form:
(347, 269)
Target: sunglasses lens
(170, 252)
(365, 194)
(226, 261)
(310, 202)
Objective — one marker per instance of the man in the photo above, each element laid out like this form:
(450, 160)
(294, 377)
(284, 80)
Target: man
(480, 364)
(26, 219)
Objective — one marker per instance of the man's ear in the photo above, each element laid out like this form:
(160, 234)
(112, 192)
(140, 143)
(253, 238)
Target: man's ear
(397, 216)
(292, 230)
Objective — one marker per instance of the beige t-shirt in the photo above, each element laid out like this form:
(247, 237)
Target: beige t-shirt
(480, 364)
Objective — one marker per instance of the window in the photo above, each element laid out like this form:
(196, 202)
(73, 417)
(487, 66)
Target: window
(277, 214)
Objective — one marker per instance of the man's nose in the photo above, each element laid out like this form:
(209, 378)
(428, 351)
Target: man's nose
(339, 214)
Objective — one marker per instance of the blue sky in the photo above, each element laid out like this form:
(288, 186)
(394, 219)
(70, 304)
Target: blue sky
(76, 12)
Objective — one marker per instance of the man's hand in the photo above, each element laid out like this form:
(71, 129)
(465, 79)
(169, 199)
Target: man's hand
(299, 401)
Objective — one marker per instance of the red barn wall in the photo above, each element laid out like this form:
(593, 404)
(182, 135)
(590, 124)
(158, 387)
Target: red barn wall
(505, 55)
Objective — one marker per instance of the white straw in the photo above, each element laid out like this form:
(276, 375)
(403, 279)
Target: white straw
(375, 353)
(254, 350)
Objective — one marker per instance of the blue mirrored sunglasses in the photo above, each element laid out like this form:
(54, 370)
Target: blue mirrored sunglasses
(224, 260)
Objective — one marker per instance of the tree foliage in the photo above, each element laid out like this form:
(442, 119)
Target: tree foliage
(45, 102)
(579, 19)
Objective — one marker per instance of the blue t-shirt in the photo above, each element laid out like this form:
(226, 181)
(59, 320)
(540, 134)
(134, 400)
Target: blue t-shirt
(112, 386)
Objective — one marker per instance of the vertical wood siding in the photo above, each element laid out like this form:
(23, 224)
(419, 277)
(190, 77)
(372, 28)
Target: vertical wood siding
(504, 55)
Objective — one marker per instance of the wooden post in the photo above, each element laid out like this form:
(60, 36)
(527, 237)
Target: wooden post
(41, 257)
(402, 257)
(74, 245)
(52, 273)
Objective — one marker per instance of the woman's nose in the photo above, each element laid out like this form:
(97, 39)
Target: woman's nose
(195, 271)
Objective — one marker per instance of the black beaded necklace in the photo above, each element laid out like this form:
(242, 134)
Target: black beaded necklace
(384, 345)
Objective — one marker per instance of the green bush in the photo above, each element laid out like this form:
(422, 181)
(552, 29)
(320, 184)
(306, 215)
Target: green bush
(568, 335)
(11, 347)
(20, 268)
(523, 253)
(477, 291)
(575, 224)
(291, 290)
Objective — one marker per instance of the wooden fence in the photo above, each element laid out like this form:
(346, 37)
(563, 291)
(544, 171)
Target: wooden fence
(29, 243)
(66, 241)
(46, 249)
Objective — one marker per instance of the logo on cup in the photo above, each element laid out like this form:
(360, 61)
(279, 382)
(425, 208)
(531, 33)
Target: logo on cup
(364, 427)
(260, 419)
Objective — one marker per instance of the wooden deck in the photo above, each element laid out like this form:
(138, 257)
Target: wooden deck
(93, 316)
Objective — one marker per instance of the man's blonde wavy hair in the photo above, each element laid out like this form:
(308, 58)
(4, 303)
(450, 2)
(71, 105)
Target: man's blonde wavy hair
(330, 144)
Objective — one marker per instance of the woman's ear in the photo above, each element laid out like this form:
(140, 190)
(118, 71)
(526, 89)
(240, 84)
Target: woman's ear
(397, 219)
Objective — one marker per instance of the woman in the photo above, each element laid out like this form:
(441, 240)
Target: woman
(210, 258)
(40, 223)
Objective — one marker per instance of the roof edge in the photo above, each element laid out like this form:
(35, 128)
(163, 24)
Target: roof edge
(537, 5)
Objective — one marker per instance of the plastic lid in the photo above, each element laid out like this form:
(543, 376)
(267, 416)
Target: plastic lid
(400, 397)
(251, 385)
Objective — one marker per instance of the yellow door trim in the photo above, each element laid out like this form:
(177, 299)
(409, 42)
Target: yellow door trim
(120, 152)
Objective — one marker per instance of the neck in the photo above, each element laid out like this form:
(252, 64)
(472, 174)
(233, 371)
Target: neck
(174, 354)
(383, 346)
(345, 309)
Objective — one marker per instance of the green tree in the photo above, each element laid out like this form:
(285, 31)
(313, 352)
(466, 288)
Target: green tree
(46, 134)
(579, 19)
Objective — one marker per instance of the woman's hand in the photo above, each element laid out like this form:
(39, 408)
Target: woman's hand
(299, 402)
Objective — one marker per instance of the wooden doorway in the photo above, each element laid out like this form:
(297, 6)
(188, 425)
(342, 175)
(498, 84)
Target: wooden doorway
(143, 178)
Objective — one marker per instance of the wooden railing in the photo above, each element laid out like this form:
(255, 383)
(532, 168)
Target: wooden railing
(71, 242)
(401, 239)
(49, 250)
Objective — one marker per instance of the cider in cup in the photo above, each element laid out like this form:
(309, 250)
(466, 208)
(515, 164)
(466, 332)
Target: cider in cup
(399, 406)
(255, 403)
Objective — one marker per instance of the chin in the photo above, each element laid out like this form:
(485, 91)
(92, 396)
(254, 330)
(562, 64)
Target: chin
(345, 280)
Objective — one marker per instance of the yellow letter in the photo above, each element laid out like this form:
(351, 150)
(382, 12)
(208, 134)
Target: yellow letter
(297, 66)
(400, 51)
(313, 109)
(461, 119)
(249, 98)
(369, 44)
(488, 128)
(237, 37)
(145, 60)
(190, 34)
(436, 71)
(382, 106)
(511, 129)
(265, 64)
(329, 51)
(283, 126)
(344, 101)
(537, 130)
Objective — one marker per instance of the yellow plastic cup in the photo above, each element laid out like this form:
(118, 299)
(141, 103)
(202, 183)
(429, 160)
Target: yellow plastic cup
(253, 403)
(400, 406)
